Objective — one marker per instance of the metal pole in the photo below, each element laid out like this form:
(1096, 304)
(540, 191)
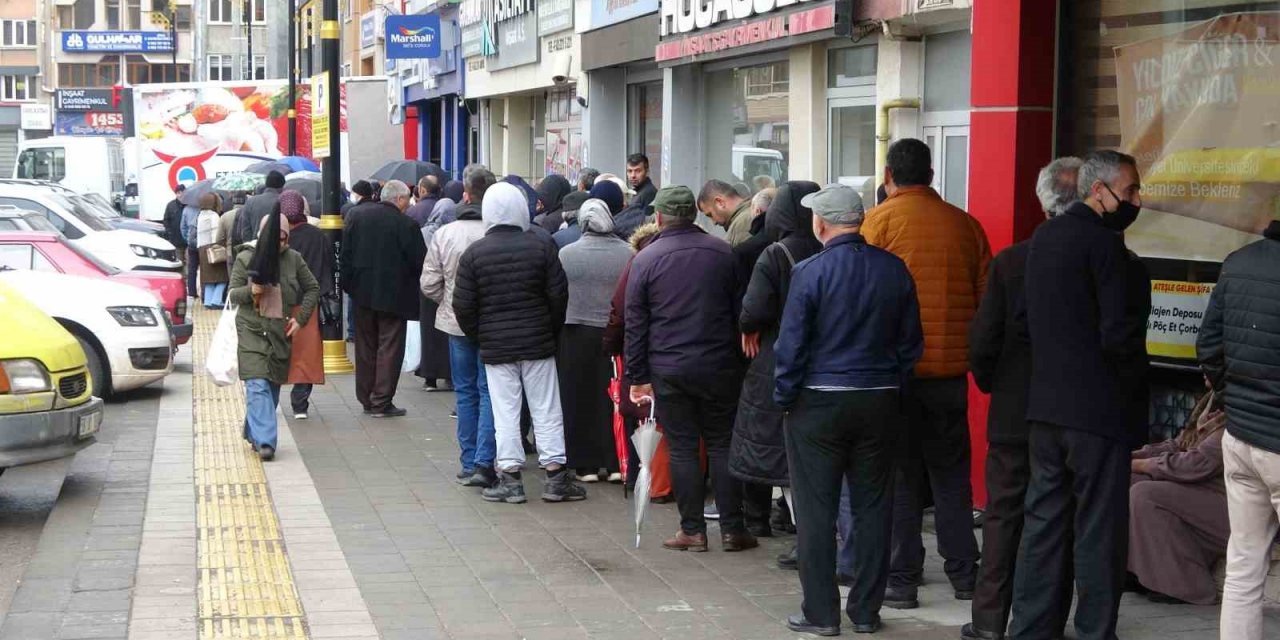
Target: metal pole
(335, 347)
(248, 35)
(293, 78)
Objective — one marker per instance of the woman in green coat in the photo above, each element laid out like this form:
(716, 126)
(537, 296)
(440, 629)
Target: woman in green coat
(266, 282)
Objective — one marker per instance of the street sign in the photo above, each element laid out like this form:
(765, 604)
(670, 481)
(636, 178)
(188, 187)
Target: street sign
(320, 115)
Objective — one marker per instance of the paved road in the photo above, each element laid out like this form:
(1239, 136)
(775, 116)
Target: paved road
(27, 495)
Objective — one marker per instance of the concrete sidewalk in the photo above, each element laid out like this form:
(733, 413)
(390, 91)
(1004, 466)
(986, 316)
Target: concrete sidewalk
(433, 560)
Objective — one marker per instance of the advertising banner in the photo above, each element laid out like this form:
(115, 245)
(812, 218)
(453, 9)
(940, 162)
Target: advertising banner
(607, 12)
(517, 42)
(554, 16)
(88, 123)
(117, 42)
(368, 30)
(83, 100)
(188, 132)
(413, 36)
(1198, 110)
(1176, 311)
(35, 117)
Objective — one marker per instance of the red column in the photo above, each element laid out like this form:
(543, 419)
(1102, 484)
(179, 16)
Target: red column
(410, 132)
(1011, 137)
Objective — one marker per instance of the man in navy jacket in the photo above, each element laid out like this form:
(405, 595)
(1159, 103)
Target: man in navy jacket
(850, 336)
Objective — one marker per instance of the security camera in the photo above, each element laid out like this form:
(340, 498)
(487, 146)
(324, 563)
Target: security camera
(563, 66)
(582, 100)
(582, 93)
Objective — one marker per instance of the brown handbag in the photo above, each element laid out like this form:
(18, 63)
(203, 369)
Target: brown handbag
(215, 254)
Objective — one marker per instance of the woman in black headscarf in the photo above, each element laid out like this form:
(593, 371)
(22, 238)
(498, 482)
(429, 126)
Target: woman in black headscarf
(551, 193)
(758, 453)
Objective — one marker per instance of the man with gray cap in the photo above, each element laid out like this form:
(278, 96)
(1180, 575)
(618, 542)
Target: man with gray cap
(850, 337)
(682, 348)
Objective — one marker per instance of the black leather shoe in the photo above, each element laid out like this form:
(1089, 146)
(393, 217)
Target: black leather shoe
(901, 598)
(970, 632)
(798, 624)
(844, 579)
(789, 560)
(391, 411)
(867, 627)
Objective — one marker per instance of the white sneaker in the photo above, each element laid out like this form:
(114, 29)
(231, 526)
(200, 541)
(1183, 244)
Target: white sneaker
(590, 477)
(300, 416)
(615, 478)
(710, 512)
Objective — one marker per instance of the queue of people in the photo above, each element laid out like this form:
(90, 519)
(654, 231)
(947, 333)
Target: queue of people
(819, 350)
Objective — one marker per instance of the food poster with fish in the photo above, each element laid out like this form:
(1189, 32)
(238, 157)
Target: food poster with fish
(189, 132)
(1198, 110)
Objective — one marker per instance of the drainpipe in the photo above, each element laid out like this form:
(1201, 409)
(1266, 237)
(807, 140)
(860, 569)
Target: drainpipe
(882, 128)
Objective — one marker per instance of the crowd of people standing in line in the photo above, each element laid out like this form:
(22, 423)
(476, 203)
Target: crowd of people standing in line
(823, 347)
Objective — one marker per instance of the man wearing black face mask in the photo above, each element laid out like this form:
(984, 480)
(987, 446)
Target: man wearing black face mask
(1087, 304)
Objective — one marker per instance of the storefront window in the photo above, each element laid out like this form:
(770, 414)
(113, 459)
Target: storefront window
(646, 124)
(564, 134)
(851, 118)
(1188, 88)
(747, 129)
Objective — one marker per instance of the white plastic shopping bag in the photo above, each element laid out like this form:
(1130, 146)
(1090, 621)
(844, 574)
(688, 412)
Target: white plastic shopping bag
(222, 361)
(412, 346)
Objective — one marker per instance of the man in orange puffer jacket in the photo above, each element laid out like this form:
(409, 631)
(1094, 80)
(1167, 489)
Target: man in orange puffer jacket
(947, 253)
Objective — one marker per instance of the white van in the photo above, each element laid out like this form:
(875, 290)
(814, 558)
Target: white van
(74, 162)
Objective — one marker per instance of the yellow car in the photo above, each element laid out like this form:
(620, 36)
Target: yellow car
(46, 408)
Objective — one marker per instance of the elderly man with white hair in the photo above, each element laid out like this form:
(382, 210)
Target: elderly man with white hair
(382, 254)
(1000, 358)
(849, 339)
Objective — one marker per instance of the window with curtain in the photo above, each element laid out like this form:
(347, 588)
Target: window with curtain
(259, 68)
(219, 66)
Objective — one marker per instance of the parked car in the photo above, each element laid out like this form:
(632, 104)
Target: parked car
(122, 329)
(47, 410)
(15, 219)
(43, 251)
(114, 218)
(78, 220)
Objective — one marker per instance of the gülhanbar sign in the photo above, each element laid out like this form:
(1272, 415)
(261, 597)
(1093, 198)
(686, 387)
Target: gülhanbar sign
(686, 16)
(763, 30)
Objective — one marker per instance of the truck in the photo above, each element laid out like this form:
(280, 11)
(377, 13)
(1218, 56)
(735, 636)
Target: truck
(190, 131)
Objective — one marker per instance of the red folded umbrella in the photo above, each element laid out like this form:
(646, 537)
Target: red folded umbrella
(619, 423)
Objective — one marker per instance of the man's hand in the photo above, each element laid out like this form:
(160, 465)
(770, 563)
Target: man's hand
(290, 328)
(751, 344)
(641, 393)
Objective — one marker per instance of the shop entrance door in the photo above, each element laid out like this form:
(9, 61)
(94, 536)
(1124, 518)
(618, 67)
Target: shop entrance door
(950, 147)
(851, 153)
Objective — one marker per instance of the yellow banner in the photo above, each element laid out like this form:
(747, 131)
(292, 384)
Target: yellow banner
(1177, 309)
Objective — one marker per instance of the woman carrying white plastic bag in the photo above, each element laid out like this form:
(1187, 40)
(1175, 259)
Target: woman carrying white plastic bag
(222, 362)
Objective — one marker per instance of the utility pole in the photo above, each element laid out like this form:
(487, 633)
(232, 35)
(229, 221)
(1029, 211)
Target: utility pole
(335, 347)
(248, 35)
(293, 78)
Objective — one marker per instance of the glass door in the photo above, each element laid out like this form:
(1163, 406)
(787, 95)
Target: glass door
(851, 152)
(950, 148)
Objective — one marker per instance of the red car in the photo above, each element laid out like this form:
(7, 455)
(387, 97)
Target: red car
(44, 251)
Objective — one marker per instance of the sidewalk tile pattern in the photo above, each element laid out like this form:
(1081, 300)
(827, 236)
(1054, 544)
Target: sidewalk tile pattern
(246, 588)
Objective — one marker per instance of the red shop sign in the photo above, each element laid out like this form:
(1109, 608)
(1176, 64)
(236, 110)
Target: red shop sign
(762, 30)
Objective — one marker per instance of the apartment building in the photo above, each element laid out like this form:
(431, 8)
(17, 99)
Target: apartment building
(24, 103)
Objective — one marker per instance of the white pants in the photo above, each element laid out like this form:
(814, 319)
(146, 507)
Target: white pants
(539, 381)
(1253, 507)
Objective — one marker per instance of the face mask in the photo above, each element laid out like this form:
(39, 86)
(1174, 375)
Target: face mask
(1124, 215)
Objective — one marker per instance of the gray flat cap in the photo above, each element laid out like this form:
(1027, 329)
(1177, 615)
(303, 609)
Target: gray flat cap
(836, 203)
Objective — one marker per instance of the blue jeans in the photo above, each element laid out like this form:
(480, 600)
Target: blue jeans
(350, 316)
(261, 398)
(476, 435)
(215, 295)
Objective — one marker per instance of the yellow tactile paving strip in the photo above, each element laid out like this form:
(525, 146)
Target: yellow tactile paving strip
(246, 589)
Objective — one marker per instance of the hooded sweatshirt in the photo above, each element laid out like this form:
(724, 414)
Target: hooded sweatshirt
(510, 293)
(593, 266)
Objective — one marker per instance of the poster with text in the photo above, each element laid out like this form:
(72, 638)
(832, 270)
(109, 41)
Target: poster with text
(1177, 308)
(1198, 109)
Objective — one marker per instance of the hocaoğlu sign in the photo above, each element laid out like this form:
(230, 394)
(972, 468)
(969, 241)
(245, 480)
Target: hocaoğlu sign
(685, 16)
(763, 29)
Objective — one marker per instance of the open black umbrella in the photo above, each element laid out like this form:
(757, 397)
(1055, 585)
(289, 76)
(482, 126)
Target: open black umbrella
(191, 197)
(310, 190)
(409, 172)
(267, 166)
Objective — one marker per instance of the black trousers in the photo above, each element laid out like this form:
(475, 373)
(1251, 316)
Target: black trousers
(936, 448)
(193, 267)
(834, 437)
(1008, 473)
(379, 355)
(1079, 482)
(300, 397)
(757, 503)
(701, 408)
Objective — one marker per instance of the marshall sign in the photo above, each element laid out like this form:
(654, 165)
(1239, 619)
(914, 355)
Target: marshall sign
(819, 18)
